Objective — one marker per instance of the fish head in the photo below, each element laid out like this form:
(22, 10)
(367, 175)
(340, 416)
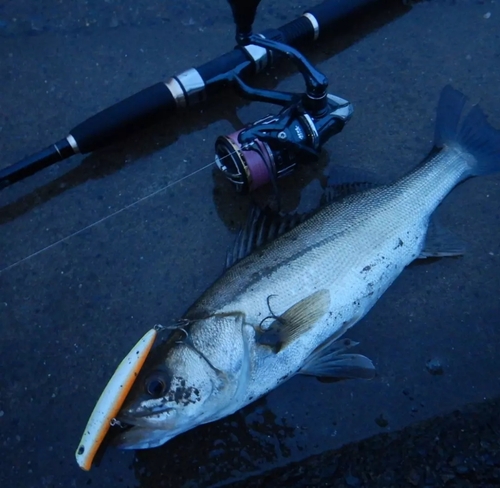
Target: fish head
(167, 399)
(183, 384)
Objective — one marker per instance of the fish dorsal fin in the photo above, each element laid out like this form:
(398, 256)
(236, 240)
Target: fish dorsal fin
(297, 320)
(344, 181)
(262, 226)
(336, 192)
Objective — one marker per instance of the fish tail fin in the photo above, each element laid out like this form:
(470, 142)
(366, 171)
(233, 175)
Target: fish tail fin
(474, 135)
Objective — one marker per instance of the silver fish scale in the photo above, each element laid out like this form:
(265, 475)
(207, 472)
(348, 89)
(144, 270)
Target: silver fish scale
(355, 248)
(321, 277)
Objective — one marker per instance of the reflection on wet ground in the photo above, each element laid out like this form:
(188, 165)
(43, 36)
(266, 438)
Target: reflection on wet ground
(70, 312)
(240, 444)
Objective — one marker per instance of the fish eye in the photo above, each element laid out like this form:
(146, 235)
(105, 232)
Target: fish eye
(155, 385)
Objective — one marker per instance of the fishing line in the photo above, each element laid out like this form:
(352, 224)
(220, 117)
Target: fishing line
(103, 219)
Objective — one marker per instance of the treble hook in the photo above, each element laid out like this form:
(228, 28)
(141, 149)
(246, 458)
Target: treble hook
(273, 315)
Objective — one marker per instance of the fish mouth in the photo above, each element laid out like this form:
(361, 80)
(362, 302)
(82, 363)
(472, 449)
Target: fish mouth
(139, 428)
(136, 416)
(140, 437)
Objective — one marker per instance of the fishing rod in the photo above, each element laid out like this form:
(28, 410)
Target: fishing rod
(263, 151)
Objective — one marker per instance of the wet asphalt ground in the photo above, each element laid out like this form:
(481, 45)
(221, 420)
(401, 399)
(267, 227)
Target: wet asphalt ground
(85, 271)
(460, 449)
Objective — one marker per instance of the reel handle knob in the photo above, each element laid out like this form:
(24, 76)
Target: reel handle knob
(244, 15)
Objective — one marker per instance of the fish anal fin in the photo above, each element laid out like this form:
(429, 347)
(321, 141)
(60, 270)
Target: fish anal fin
(440, 242)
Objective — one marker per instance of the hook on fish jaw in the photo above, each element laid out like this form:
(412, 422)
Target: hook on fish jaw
(114, 422)
(180, 325)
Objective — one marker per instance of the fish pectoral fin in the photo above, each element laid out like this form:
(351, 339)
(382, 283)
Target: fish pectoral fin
(440, 242)
(297, 320)
(331, 361)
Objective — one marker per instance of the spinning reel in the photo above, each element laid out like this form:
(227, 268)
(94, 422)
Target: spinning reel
(272, 146)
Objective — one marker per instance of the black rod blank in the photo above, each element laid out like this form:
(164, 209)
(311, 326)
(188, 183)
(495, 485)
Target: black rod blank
(190, 87)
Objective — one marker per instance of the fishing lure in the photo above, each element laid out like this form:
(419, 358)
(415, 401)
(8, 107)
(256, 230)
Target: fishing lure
(112, 399)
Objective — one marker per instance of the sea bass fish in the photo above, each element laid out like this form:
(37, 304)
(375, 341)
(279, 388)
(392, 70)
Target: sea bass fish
(295, 285)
